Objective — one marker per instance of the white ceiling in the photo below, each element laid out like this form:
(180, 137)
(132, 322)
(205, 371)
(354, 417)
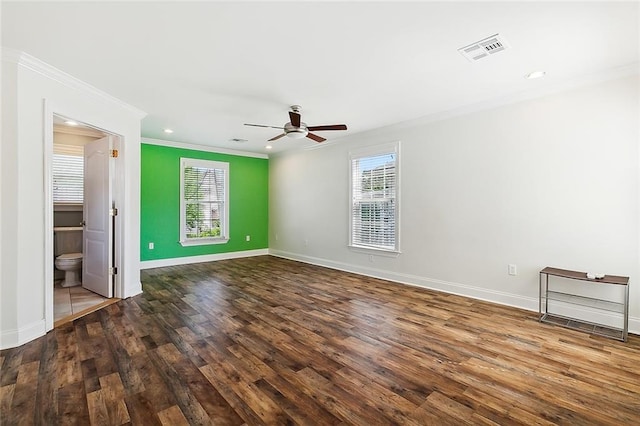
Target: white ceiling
(205, 68)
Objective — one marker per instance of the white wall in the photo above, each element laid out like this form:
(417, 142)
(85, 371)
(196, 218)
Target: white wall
(28, 85)
(551, 181)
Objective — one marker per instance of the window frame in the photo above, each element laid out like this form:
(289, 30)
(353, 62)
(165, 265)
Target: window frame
(224, 221)
(366, 152)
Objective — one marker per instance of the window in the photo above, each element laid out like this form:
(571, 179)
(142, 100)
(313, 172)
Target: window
(68, 174)
(204, 207)
(374, 198)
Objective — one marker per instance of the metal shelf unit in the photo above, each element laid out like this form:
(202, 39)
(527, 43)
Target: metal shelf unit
(621, 307)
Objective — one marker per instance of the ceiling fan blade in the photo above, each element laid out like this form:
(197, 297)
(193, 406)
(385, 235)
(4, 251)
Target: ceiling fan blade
(315, 137)
(295, 118)
(262, 125)
(277, 137)
(328, 127)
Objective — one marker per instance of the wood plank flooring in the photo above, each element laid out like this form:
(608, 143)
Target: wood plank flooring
(270, 341)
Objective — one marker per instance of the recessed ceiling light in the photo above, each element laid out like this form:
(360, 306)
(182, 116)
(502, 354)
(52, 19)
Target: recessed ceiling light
(168, 131)
(71, 123)
(268, 147)
(535, 74)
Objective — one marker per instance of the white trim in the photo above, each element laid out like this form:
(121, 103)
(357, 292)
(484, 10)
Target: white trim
(569, 84)
(204, 148)
(48, 214)
(374, 251)
(224, 222)
(116, 175)
(372, 151)
(69, 106)
(586, 313)
(161, 263)
(17, 337)
(572, 83)
(78, 131)
(34, 64)
(634, 325)
(203, 241)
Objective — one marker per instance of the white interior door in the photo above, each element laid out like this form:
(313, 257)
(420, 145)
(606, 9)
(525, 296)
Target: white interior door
(97, 235)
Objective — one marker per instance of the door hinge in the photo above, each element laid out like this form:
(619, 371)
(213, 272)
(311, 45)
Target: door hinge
(113, 271)
(114, 153)
(113, 212)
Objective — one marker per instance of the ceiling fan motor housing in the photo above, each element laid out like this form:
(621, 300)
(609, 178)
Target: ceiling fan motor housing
(296, 132)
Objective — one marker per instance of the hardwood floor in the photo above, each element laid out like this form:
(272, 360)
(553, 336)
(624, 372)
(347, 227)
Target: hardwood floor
(269, 341)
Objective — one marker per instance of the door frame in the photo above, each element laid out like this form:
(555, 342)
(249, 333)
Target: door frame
(118, 197)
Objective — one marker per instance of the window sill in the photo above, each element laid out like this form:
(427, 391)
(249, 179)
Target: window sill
(376, 251)
(203, 241)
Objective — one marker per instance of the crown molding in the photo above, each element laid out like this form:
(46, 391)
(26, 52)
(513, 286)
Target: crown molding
(569, 84)
(204, 148)
(36, 65)
(566, 85)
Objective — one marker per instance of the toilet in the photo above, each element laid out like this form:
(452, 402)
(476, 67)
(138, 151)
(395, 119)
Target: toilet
(68, 251)
(71, 264)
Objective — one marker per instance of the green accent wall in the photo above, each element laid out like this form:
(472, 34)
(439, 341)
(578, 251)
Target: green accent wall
(160, 203)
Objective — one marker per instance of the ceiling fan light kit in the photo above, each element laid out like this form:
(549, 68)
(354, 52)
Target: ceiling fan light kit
(296, 129)
(296, 132)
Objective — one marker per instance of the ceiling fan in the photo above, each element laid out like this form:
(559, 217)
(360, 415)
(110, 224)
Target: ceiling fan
(296, 129)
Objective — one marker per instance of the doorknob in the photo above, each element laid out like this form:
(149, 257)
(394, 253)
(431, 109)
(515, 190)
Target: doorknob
(83, 223)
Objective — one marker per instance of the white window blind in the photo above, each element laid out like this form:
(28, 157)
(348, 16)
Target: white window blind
(204, 207)
(68, 174)
(374, 199)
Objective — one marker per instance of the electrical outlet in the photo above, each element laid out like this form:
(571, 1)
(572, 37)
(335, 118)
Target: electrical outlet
(247, 238)
(151, 246)
(371, 258)
(276, 237)
(306, 242)
(513, 269)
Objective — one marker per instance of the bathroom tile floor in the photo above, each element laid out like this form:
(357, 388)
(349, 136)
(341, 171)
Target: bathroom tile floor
(68, 301)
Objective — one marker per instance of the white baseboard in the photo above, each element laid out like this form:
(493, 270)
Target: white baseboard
(586, 313)
(502, 298)
(148, 264)
(17, 337)
(133, 290)
(634, 325)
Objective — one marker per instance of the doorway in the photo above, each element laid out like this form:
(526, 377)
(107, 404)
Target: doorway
(83, 200)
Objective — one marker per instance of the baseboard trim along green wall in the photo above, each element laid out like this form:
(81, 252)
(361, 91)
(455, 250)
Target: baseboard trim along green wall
(160, 205)
(148, 264)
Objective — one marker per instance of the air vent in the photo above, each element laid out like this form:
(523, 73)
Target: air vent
(484, 48)
(237, 140)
